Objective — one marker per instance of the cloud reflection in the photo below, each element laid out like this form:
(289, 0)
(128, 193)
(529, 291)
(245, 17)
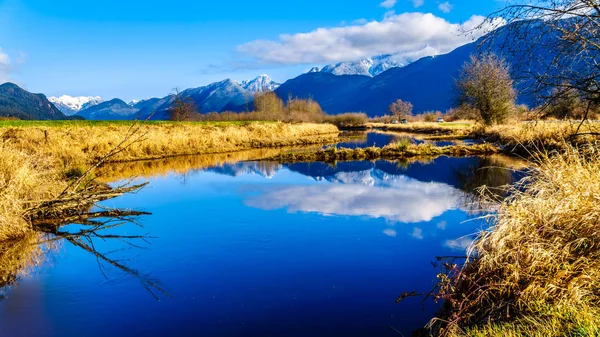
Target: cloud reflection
(460, 244)
(390, 232)
(407, 200)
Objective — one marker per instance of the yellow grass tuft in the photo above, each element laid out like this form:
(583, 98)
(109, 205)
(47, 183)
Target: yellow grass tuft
(537, 269)
(528, 138)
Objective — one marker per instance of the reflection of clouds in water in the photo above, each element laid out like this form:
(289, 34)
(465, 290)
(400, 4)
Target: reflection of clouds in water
(407, 200)
(460, 244)
(417, 233)
(390, 232)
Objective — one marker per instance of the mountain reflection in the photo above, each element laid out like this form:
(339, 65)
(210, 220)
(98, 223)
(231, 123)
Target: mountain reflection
(466, 174)
(407, 192)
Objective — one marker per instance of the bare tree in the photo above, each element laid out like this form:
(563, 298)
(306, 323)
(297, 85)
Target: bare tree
(182, 108)
(556, 44)
(486, 86)
(268, 102)
(564, 103)
(401, 109)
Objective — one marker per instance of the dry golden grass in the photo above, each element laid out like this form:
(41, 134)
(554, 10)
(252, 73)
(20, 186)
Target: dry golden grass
(24, 178)
(77, 145)
(528, 138)
(521, 138)
(457, 129)
(37, 162)
(536, 271)
(399, 150)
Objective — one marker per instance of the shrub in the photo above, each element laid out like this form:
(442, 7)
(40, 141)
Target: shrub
(485, 85)
(349, 119)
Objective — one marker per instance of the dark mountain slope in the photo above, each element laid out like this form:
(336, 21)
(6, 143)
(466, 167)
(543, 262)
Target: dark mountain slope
(331, 91)
(19, 103)
(115, 109)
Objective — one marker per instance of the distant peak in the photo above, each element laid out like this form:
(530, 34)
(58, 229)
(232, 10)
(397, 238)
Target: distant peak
(261, 83)
(70, 105)
(370, 66)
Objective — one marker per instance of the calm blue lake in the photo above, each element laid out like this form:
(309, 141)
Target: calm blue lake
(261, 249)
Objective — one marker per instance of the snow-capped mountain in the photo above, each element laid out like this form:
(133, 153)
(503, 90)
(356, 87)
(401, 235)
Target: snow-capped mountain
(134, 102)
(372, 66)
(70, 105)
(260, 84)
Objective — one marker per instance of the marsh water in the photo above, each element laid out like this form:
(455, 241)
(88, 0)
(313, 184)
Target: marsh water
(256, 248)
(380, 138)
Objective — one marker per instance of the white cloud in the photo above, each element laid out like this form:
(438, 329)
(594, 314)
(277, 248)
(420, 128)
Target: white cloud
(418, 3)
(445, 7)
(408, 201)
(5, 67)
(409, 35)
(388, 3)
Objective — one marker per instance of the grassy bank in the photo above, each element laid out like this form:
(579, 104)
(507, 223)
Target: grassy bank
(536, 271)
(455, 128)
(400, 150)
(524, 139)
(73, 144)
(39, 161)
(530, 138)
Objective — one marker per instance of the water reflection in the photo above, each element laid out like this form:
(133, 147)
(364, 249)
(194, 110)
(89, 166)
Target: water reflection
(183, 165)
(18, 258)
(252, 249)
(378, 138)
(88, 232)
(398, 198)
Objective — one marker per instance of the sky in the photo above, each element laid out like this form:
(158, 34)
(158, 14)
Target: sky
(141, 49)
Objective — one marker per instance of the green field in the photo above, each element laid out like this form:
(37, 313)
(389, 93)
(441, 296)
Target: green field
(63, 123)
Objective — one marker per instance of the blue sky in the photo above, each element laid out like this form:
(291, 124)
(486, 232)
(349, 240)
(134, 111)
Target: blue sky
(141, 49)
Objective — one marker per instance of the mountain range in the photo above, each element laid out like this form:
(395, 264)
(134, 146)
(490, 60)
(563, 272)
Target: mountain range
(367, 85)
(216, 96)
(371, 67)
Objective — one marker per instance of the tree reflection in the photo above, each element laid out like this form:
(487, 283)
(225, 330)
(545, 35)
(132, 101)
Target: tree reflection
(488, 177)
(20, 257)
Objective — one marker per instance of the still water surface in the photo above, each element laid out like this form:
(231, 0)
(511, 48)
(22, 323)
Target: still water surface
(383, 138)
(262, 249)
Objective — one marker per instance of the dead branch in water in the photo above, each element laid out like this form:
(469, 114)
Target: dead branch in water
(77, 205)
(94, 229)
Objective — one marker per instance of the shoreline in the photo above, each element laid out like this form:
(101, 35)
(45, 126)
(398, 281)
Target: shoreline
(43, 167)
